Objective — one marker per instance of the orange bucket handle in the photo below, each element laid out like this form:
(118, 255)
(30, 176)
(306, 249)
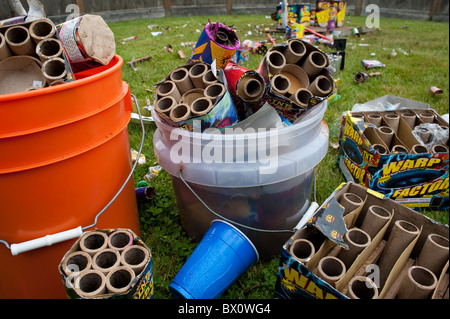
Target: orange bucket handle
(49, 240)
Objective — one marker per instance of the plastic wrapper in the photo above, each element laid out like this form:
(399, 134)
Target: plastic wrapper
(369, 64)
(438, 134)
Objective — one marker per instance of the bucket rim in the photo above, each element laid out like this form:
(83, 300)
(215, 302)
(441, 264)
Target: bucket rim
(240, 233)
(115, 64)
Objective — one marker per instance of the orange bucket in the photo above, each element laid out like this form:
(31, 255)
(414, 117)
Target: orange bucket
(64, 155)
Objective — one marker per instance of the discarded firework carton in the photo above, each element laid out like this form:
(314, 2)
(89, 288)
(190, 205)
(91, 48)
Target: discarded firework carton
(402, 154)
(193, 97)
(297, 77)
(347, 250)
(108, 264)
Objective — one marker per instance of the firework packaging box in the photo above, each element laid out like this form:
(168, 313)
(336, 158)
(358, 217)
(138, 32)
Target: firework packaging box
(402, 154)
(217, 43)
(108, 264)
(194, 98)
(329, 11)
(347, 251)
(297, 77)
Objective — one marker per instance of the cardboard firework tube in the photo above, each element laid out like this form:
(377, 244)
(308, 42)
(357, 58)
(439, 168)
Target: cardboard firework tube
(5, 52)
(393, 120)
(321, 86)
(191, 95)
(350, 202)
(361, 287)
(424, 134)
(295, 51)
(419, 149)
(330, 269)
(250, 87)
(41, 29)
(180, 77)
(91, 284)
(440, 148)
(136, 257)
(402, 234)
(297, 77)
(180, 112)
(165, 105)
(275, 61)
(120, 239)
(201, 106)
(77, 262)
(106, 260)
(54, 69)
(301, 97)
(93, 241)
(118, 280)
(380, 149)
(409, 118)
(434, 254)
(168, 88)
(214, 91)
(280, 84)
(19, 41)
(302, 250)
(399, 149)
(387, 134)
(49, 48)
(375, 219)
(196, 74)
(357, 240)
(209, 78)
(314, 63)
(426, 117)
(419, 283)
(375, 119)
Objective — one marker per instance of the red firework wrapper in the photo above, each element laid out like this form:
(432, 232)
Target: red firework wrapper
(245, 104)
(286, 107)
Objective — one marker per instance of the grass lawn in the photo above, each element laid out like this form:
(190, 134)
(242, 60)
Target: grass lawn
(422, 61)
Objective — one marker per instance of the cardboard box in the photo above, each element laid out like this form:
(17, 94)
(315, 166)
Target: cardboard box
(297, 280)
(140, 288)
(419, 181)
(330, 10)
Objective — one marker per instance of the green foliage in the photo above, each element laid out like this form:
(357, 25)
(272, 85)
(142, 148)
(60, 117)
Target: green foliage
(425, 63)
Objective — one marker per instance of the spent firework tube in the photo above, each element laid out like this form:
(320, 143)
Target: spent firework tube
(87, 41)
(217, 42)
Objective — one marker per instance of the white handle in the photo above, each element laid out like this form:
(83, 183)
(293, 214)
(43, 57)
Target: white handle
(46, 241)
(307, 216)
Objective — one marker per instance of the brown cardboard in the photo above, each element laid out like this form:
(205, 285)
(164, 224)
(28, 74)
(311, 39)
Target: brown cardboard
(20, 73)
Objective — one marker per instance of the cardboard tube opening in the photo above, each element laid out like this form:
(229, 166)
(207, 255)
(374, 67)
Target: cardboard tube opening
(434, 253)
(314, 63)
(275, 61)
(426, 117)
(168, 88)
(165, 104)
(350, 202)
(380, 149)
(357, 240)
(91, 284)
(181, 78)
(440, 148)
(190, 96)
(418, 283)
(209, 78)
(375, 219)
(19, 40)
(386, 134)
(375, 119)
(321, 86)
(42, 29)
(119, 280)
(302, 249)
(331, 269)
(5, 52)
(77, 262)
(215, 90)
(281, 84)
(410, 118)
(250, 87)
(196, 74)
(419, 149)
(120, 239)
(295, 50)
(361, 287)
(106, 259)
(180, 112)
(201, 106)
(399, 149)
(135, 257)
(92, 242)
(49, 48)
(54, 69)
(302, 96)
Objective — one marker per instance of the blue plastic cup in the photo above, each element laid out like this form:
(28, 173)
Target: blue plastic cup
(222, 255)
